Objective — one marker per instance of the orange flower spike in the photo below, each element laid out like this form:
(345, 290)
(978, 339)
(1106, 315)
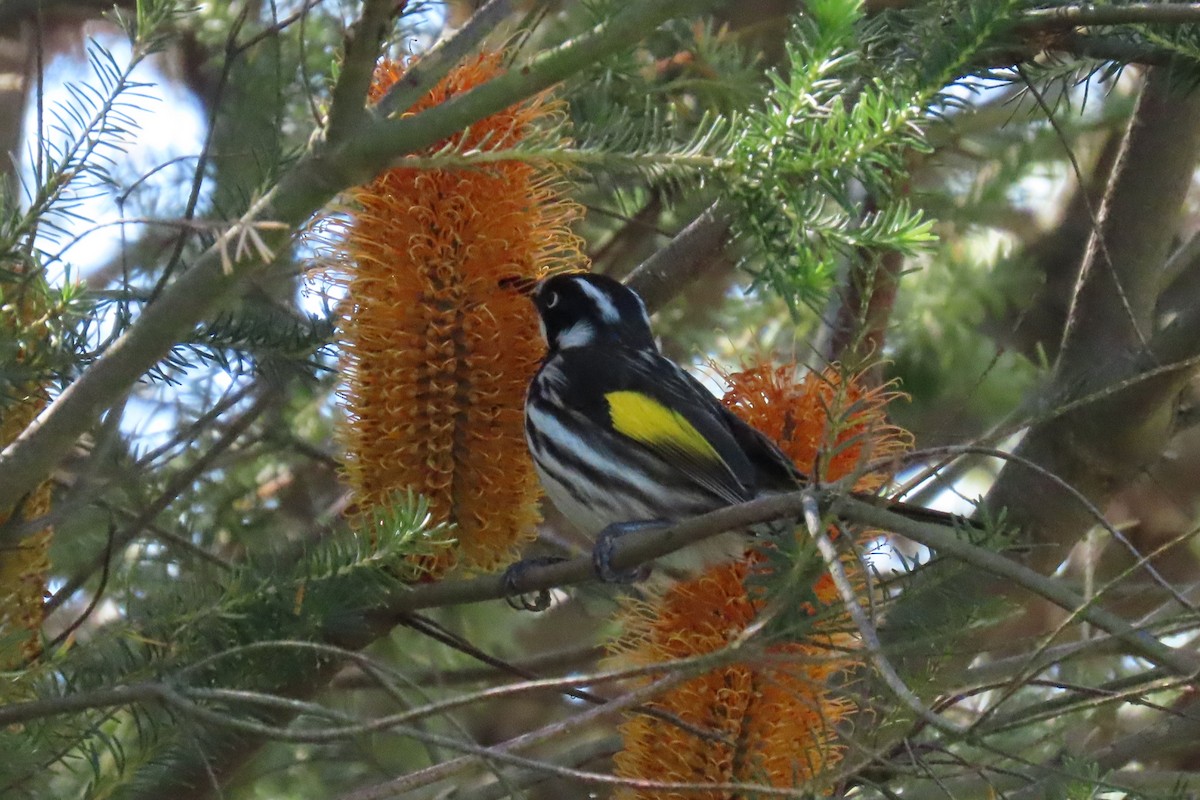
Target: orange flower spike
(23, 568)
(438, 349)
(820, 420)
(778, 720)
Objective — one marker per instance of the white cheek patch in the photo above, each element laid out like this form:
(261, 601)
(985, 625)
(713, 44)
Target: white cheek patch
(578, 335)
(604, 304)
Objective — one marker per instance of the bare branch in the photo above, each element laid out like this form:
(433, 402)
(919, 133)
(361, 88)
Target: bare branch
(1098, 448)
(686, 258)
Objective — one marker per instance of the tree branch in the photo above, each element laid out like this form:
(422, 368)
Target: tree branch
(348, 103)
(635, 549)
(176, 486)
(1100, 446)
(685, 259)
(946, 543)
(1131, 14)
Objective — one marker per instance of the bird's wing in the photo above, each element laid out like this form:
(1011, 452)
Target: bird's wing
(773, 467)
(647, 401)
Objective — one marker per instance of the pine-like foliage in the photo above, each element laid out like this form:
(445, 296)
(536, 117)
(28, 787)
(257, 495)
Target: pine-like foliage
(983, 203)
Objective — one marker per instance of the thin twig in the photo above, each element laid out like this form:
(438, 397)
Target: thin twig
(278, 27)
(850, 599)
(201, 171)
(504, 753)
(1093, 511)
(176, 486)
(97, 595)
(1179, 661)
(571, 658)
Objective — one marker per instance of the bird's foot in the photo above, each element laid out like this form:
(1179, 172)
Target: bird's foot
(538, 600)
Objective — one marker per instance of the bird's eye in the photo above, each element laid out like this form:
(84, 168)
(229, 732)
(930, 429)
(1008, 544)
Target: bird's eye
(551, 299)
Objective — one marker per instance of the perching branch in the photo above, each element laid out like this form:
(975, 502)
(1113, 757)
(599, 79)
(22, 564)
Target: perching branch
(640, 548)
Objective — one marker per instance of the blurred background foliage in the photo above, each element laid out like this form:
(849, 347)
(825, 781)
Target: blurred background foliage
(907, 186)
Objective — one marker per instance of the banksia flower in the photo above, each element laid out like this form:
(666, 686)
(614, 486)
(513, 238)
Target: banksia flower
(438, 348)
(831, 427)
(23, 567)
(774, 721)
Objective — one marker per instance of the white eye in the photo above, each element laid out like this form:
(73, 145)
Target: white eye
(551, 299)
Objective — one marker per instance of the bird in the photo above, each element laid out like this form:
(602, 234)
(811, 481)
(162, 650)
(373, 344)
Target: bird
(623, 438)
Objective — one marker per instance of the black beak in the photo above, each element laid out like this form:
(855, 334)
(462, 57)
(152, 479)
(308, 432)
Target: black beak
(518, 284)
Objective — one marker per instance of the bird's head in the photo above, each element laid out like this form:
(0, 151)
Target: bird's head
(581, 309)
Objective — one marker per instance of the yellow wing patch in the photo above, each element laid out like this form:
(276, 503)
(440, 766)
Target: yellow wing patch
(646, 420)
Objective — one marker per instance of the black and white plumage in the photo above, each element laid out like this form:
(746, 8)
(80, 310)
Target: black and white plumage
(621, 434)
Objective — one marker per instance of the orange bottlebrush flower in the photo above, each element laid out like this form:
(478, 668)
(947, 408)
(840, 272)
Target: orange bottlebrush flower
(774, 722)
(828, 425)
(438, 348)
(23, 568)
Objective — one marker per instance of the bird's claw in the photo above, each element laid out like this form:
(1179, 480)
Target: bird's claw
(538, 600)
